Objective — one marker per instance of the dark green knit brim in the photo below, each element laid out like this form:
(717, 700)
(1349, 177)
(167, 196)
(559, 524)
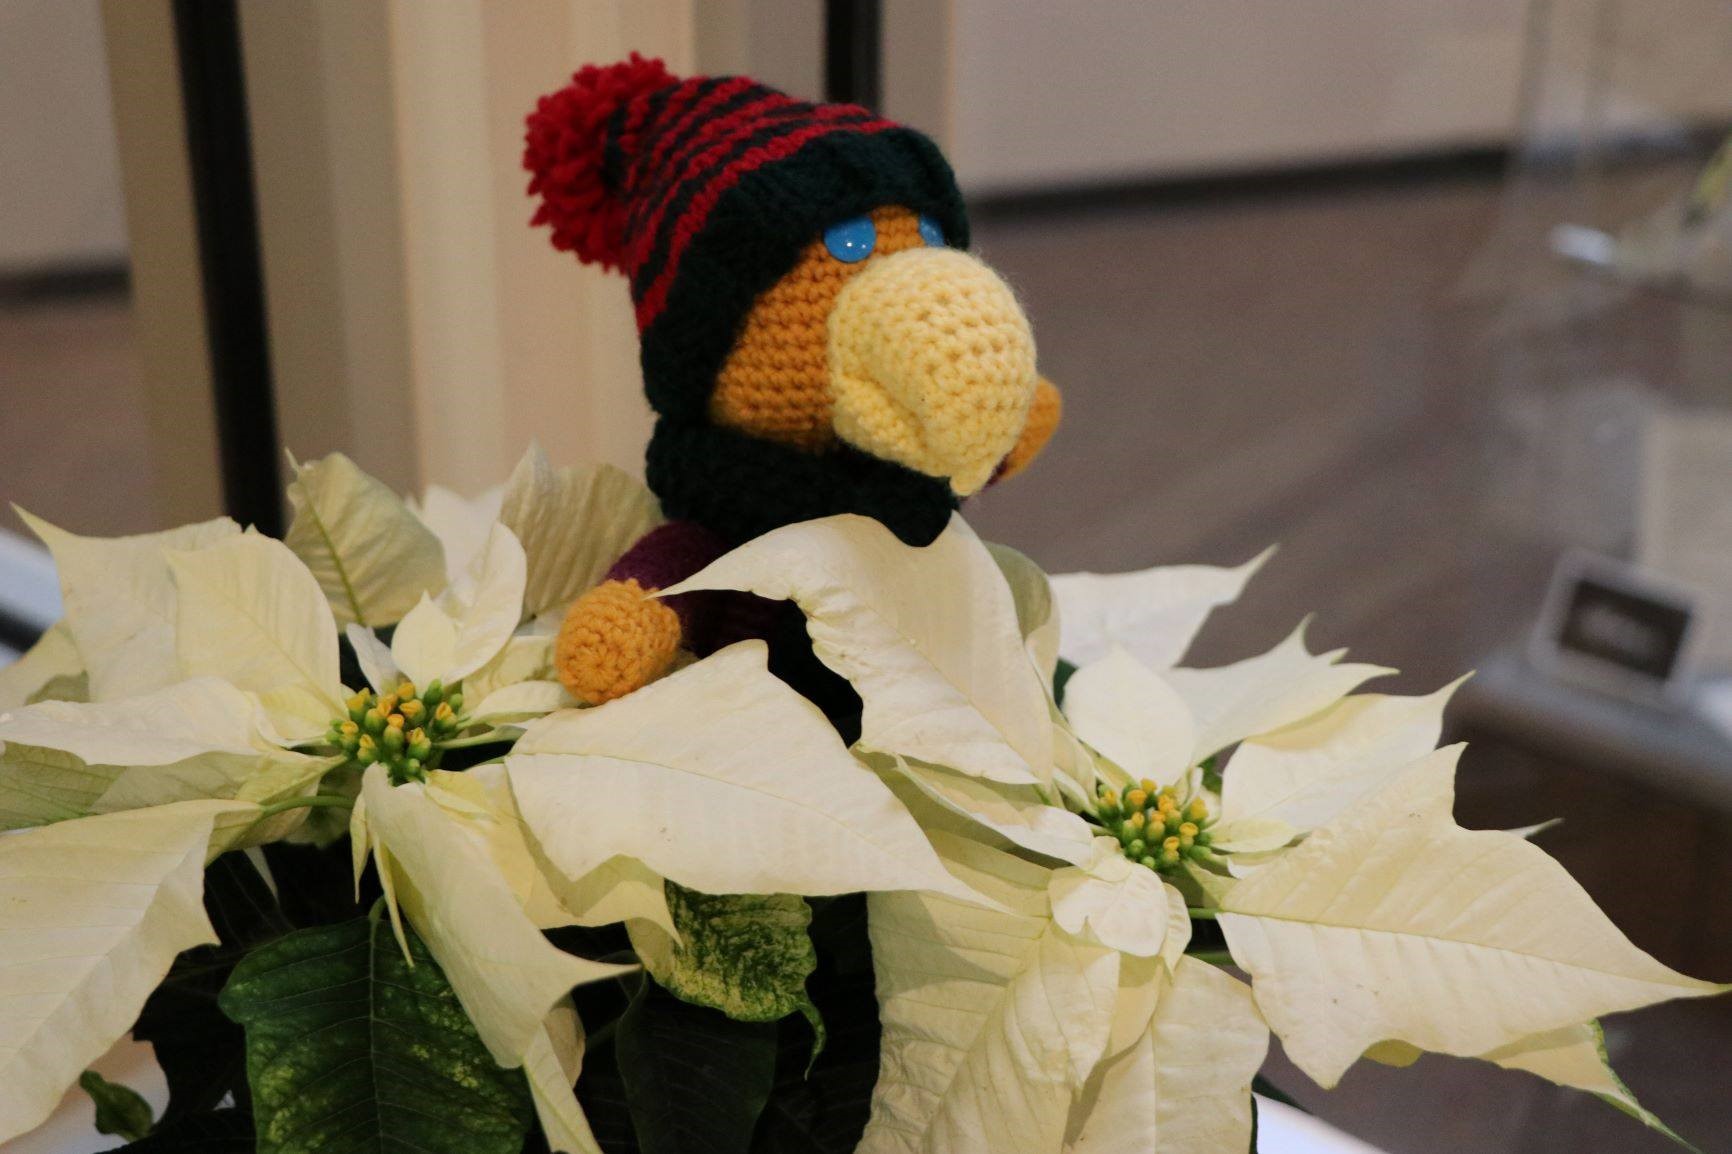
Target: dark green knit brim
(756, 233)
(739, 486)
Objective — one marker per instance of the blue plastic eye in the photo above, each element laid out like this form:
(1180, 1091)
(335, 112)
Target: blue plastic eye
(852, 240)
(931, 233)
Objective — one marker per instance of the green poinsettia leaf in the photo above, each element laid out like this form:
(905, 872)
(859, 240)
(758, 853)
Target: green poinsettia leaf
(696, 1079)
(747, 955)
(820, 1106)
(202, 1053)
(353, 1050)
(119, 1109)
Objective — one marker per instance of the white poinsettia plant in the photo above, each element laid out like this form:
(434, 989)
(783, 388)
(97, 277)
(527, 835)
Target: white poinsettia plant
(639, 926)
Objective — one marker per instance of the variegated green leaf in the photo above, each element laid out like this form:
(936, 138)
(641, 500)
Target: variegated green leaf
(747, 955)
(355, 1048)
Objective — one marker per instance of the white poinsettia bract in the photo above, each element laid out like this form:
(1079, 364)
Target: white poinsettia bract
(1309, 820)
(1099, 881)
(192, 702)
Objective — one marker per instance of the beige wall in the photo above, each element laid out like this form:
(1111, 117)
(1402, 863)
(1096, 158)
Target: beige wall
(1050, 94)
(331, 235)
(780, 42)
(1058, 93)
(59, 176)
(418, 323)
(509, 340)
(167, 293)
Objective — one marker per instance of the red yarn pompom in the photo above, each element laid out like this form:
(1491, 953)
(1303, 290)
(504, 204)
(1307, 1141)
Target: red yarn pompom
(564, 146)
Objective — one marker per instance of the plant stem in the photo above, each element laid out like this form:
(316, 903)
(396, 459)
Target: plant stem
(316, 801)
(487, 738)
(1213, 957)
(1198, 914)
(602, 1036)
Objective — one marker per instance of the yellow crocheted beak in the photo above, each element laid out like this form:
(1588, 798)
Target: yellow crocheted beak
(931, 365)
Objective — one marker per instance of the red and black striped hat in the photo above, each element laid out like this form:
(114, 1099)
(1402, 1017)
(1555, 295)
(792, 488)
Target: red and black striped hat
(704, 191)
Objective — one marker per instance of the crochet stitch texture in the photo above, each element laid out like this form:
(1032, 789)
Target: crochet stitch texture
(614, 639)
(887, 375)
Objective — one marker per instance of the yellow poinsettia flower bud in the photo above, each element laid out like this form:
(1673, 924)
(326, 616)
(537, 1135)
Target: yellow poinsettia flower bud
(1197, 811)
(1136, 798)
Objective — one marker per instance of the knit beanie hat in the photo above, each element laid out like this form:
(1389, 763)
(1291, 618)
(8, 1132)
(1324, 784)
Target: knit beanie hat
(704, 191)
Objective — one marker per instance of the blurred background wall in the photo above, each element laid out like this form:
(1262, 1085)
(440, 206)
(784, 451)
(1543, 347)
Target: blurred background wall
(1042, 96)
(1023, 99)
(60, 206)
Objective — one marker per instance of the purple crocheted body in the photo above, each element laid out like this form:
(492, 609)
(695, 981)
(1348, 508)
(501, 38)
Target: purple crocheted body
(710, 620)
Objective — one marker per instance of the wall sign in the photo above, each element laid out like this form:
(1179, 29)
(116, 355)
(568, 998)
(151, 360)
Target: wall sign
(1617, 628)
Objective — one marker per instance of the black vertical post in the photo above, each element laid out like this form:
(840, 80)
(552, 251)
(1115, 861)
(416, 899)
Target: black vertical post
(219, 147)
(853, 47)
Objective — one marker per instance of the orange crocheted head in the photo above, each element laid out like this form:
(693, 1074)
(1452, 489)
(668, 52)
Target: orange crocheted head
(816, 338)
(775, 383)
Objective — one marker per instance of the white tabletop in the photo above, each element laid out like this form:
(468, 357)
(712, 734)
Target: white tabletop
(1284, 1130)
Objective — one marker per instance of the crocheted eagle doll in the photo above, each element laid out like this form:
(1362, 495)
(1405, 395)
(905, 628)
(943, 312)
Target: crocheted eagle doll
(815, 340)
